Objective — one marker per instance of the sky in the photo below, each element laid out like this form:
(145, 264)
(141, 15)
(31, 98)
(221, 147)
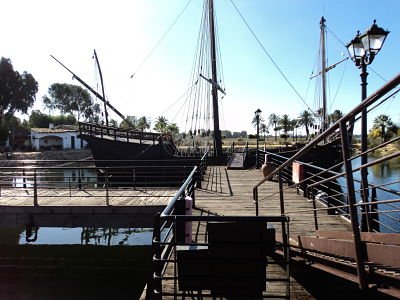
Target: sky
(125, 32)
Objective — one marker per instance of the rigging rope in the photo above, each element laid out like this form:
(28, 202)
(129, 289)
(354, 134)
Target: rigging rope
(269, 56)
(161, 39)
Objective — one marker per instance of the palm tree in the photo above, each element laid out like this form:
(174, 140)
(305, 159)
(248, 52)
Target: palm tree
(254, 121)
(286, 124)
(161, 124)
(273, 119)
(335, 116)
(173, 128)
(132, 119)
(295, 124)
(143, 124)
(383, 122)
(264, 130)
(307, 120)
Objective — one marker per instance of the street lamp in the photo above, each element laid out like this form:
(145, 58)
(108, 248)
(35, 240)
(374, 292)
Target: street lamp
(258, 114)
(362, 50)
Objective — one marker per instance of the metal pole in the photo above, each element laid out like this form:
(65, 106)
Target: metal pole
(107, 198)
(258, 128)
(352, 209)
(364, 144)
(35, 195)
(314, 209)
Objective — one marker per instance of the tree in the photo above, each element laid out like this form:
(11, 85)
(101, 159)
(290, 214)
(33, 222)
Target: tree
(264, 129)
(273, 119)
(132, 119)
(286, 125)
(307, 120)
(173, 128)
(143, 124)
(72, 99)
(161, 124)
(17, 91)
(254, 121)
(381, 123)
(39, 120)
(335, 116)
(295, 123)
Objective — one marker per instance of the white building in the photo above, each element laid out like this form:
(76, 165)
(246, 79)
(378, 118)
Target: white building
(56, 138)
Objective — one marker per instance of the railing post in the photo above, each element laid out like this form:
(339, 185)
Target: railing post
(23, 176)
(374, 216)
(352, 208)
(79, 177)
(35, 195)
(281, 200)
(107, 198)
(134, 178)
(255, 197)
(154, 283)
(314, 209)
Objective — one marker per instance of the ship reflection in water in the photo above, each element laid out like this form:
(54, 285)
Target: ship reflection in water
(74, 263)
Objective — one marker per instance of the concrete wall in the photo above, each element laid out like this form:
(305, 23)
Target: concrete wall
(56, 140)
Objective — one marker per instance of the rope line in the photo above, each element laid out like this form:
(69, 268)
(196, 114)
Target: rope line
(161, 39)
(269, 56)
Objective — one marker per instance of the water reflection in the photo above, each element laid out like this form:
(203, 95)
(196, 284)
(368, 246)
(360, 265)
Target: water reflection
(83, 263)
(22, 235)
(72, 177)
(387, 175)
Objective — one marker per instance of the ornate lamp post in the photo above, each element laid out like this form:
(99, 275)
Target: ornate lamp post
(257, 114)
(362, 50)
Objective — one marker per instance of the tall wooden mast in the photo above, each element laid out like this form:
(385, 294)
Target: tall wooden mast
(102, 87)
(323, 74)
(214, 91)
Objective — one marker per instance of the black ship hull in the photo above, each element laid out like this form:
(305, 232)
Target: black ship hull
(139, 159)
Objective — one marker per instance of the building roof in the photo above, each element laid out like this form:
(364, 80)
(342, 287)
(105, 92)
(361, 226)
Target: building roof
(53, 130)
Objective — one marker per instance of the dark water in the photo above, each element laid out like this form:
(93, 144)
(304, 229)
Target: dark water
(74, 263)
(388, 174)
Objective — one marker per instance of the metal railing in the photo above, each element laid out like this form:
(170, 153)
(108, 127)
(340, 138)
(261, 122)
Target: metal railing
(30, 180)
(360, 206)
(183, 226)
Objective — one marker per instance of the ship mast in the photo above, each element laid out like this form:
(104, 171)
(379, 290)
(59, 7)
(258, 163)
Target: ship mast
(102, 87)
(323, 73)
(214, 91)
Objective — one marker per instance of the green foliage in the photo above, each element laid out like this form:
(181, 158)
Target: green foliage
(273, 120)
(143, 123)
(40, 120)
(161, 124)
(173, 128)
(384, 127)
(17, 91)
(125, 125)
(307, 120)
(335, 116)
(72, 99)
(7, 126)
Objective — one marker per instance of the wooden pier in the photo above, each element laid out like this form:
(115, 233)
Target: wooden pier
(229, 193)
(96, 207)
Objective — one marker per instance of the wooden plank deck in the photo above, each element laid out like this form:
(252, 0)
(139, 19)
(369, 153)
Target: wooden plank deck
(229, 193)
(127, 207)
